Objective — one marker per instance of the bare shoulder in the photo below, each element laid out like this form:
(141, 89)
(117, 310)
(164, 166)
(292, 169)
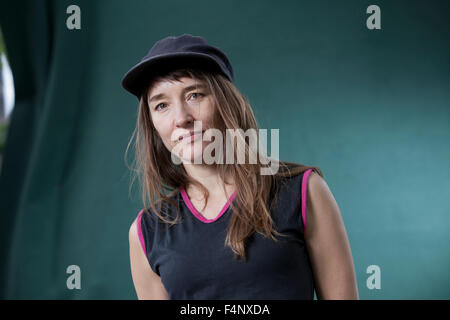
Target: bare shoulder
(327, 243)
(322, 208)
(318, 191)
(317, 183)
(133, 235)
(132, 232)
(147, 283)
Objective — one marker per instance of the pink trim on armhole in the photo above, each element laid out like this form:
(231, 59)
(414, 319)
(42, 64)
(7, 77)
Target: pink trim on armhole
(304, 194)
(139, 230)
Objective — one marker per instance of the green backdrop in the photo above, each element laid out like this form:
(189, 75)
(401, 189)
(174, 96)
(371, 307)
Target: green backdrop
(369, 107)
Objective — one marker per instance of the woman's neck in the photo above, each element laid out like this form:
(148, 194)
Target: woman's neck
(210, 178)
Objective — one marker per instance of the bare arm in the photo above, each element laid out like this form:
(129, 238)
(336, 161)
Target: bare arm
(327, 244)
(147, 283)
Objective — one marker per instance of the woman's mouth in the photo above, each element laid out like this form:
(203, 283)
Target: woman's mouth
(193, 136)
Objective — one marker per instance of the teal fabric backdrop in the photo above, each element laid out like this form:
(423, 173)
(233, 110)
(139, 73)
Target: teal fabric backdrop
(369, 107)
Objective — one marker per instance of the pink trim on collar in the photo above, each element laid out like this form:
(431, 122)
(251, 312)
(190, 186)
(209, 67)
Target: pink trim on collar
(198, 215)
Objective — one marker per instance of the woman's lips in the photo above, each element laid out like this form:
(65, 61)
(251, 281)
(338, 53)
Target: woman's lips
(190, 138)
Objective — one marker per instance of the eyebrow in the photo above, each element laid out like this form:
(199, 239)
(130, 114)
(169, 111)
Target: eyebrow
(188, 88)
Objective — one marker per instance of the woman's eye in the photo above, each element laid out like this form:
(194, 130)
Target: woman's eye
(196, 95)
(159, 105)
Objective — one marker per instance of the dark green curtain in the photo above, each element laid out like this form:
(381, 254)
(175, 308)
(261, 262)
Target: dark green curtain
(369, 107)
(64, 185)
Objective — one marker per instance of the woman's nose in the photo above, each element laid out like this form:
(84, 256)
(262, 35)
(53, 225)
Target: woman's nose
(182, 115)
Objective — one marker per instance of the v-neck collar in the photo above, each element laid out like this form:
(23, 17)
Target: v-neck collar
(197, 214)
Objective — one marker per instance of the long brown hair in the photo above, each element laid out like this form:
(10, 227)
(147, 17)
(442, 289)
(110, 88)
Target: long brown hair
(160, 178)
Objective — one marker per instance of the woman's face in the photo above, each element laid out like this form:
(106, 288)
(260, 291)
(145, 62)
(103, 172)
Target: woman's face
(174, 106)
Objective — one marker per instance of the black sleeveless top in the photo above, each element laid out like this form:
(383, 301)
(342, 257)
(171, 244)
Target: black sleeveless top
(193, 262)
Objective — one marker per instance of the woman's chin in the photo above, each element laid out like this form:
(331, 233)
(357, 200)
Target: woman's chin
(191, 153)
(192, 156)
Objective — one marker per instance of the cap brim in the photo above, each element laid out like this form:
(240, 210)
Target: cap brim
(139, 76)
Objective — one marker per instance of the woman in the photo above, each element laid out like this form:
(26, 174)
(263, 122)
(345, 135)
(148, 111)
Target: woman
(223, 230)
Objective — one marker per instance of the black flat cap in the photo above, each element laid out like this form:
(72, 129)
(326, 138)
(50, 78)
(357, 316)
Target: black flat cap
(173, 53)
